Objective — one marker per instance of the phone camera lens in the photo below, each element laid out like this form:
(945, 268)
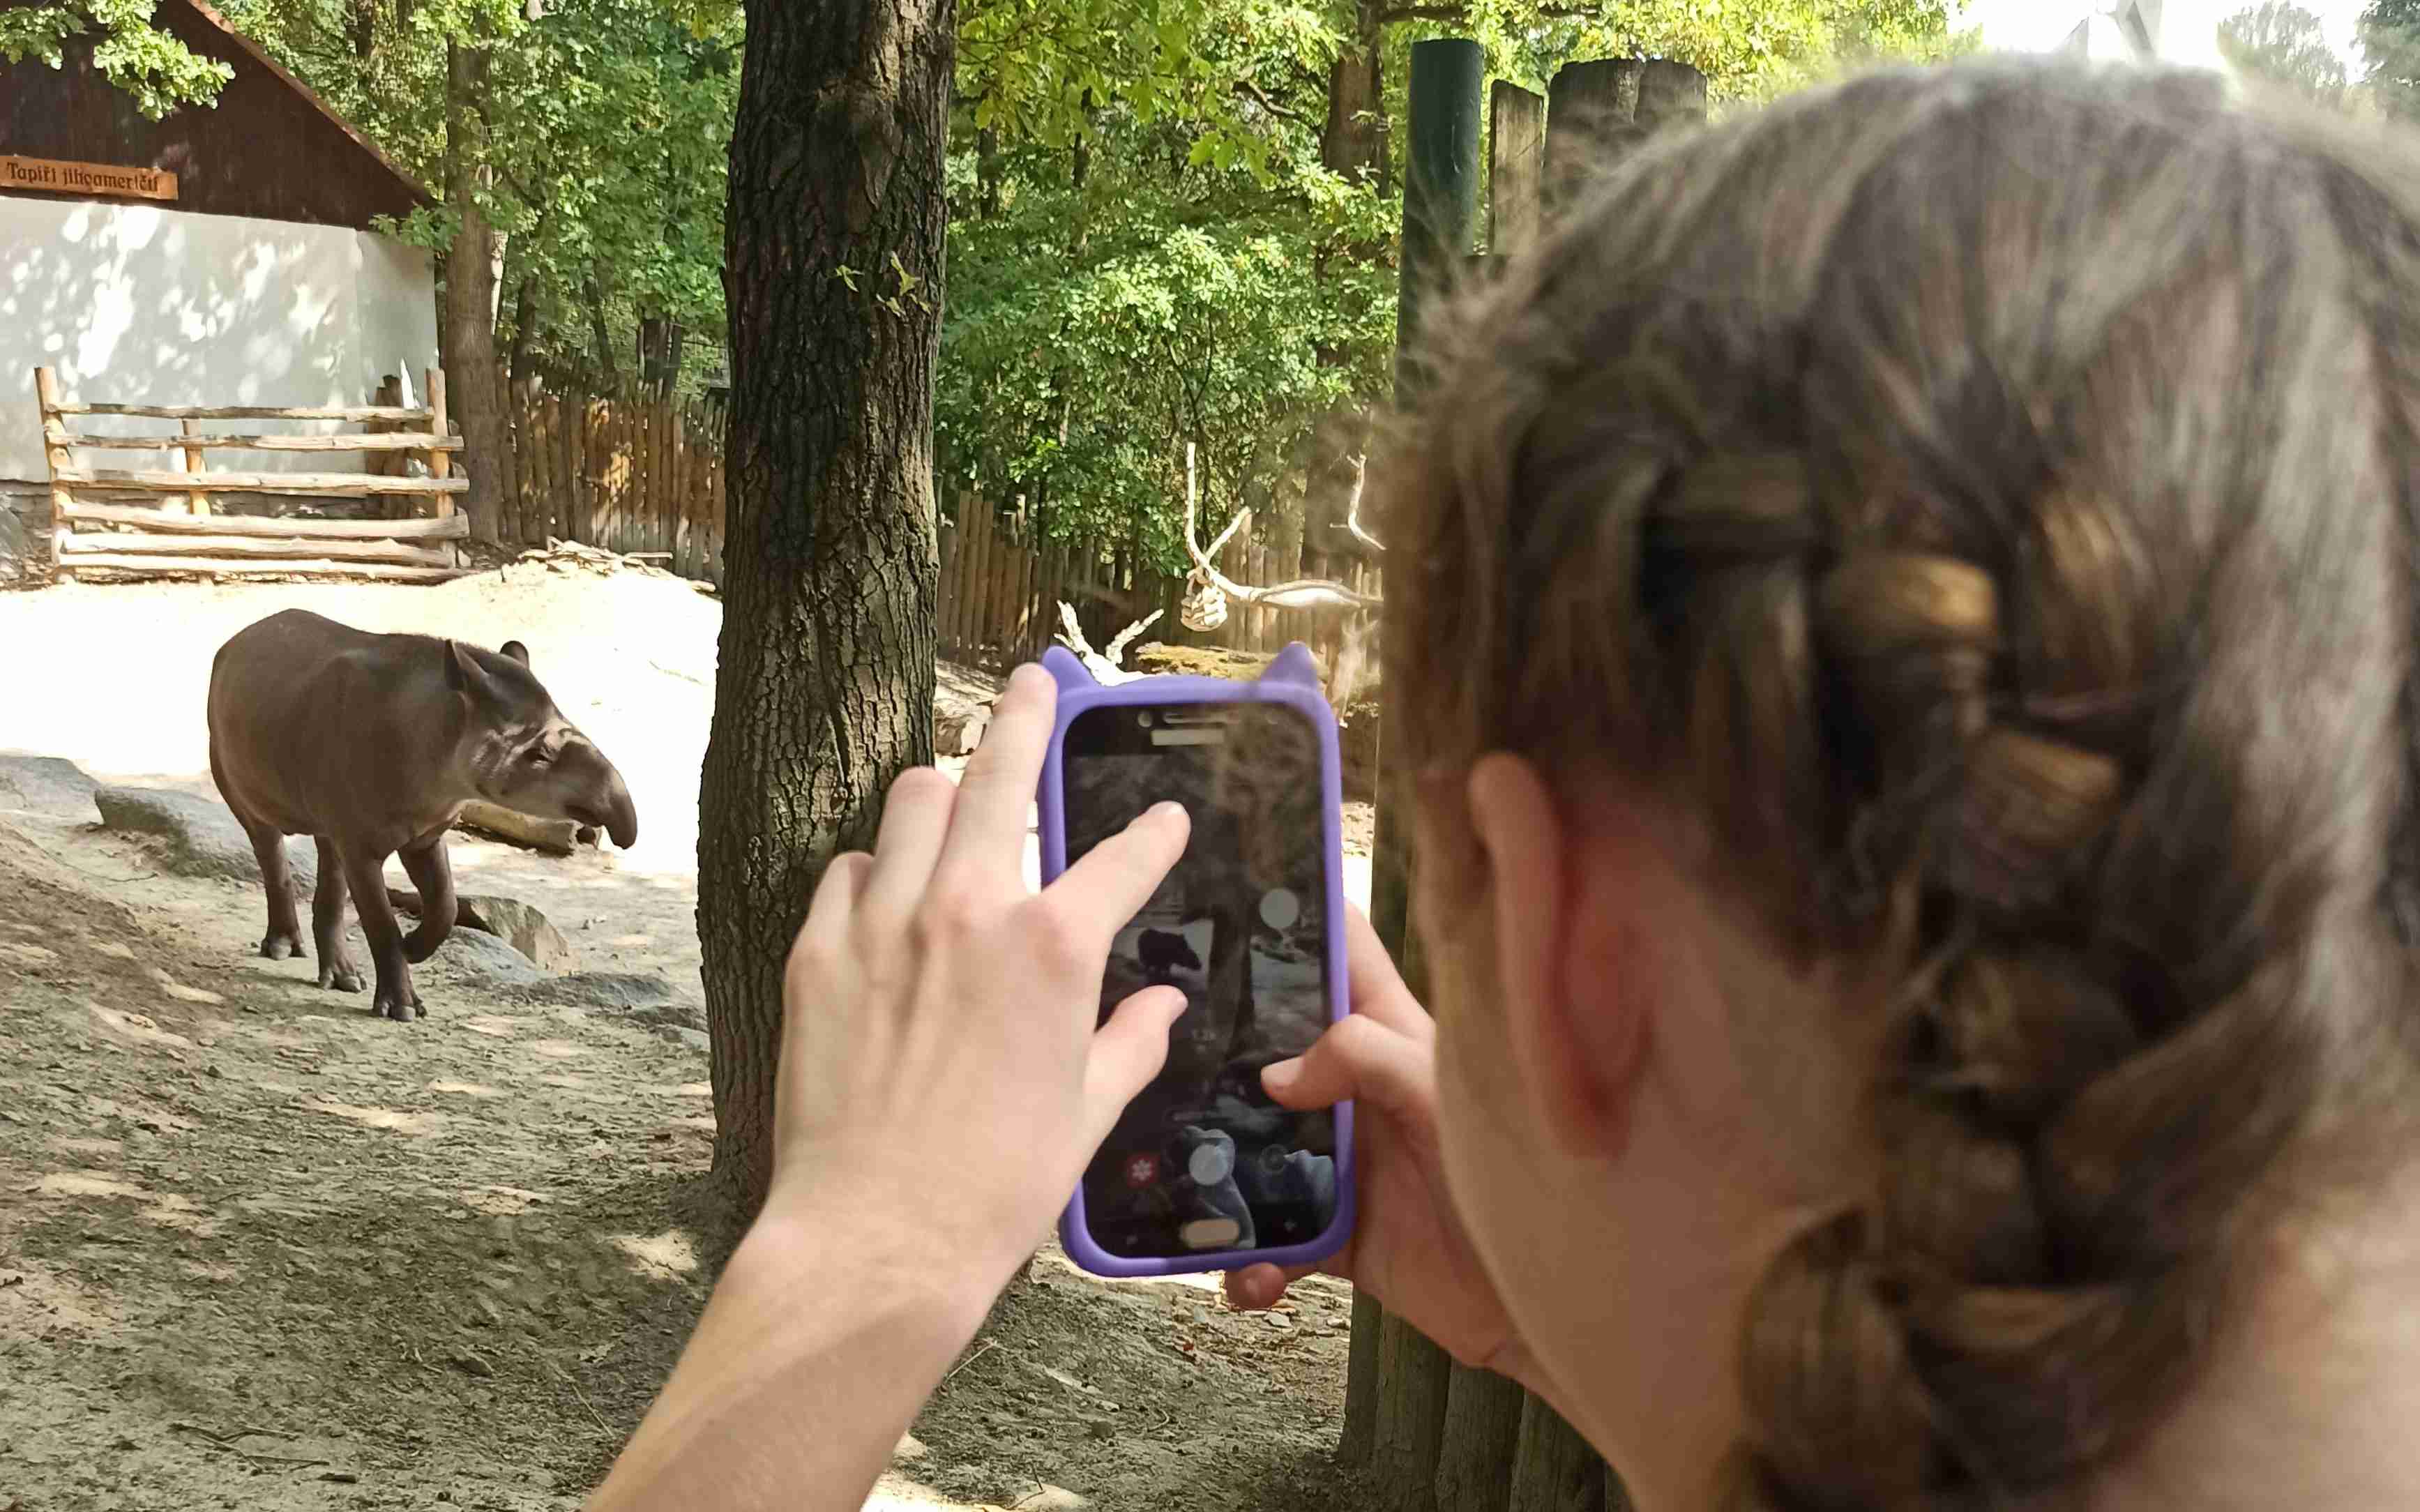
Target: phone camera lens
(1143, 719)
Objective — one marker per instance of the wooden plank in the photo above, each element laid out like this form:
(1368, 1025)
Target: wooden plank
(342, 485)
(202, 411)
(350, 441)
(1553, 1469)
(945, 547)
(1516, 165)
(282, 528)
(665, 485)
(167, 544)
(440, 463)
(224, 566)
(54, 451)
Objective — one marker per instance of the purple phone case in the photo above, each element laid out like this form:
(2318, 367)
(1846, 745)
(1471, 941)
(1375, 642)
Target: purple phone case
(1292, 680)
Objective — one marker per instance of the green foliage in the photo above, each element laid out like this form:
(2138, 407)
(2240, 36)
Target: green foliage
(1199, 306)
(2390, 44)
(156, 70)
(604, 158)
(2287, 46)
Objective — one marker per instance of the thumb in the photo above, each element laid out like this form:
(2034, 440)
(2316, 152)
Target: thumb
(1360, 1059)
(1127, 1051)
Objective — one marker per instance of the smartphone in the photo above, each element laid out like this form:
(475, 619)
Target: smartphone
(1204, 1171)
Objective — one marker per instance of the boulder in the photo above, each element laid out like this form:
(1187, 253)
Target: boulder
(694, 1039)
(643, 995)
(45, 784)
(198, 836)
(519, 925)
(478, 954)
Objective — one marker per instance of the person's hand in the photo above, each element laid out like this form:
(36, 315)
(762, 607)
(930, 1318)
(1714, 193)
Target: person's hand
(943, 1083)
(1408, 1249)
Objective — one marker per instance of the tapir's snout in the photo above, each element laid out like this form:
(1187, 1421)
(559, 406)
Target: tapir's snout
(621, 815)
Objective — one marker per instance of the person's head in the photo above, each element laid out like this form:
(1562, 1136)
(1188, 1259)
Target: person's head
(1911, 595)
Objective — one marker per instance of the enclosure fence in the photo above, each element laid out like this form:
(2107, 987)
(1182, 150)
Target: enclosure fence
(645, 476)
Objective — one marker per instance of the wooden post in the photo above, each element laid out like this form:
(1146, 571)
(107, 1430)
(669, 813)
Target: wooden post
(54, 453)
(1441, 212)
(441, 463)
(1554, 1470)
(1516, 162)
(198, 501)
(1591, 116)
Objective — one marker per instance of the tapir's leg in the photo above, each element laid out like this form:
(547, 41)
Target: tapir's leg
(337, 968)
(433, 874)
(284, 936)
(365, 873)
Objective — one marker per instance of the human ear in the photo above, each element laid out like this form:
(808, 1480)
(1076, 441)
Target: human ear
(1574, 1001)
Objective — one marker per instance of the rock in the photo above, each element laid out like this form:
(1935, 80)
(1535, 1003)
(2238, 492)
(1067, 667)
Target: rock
(696, 1039)
(647, 992)
(478, 952)
(200, 837)
(520, 925)
(45, 784)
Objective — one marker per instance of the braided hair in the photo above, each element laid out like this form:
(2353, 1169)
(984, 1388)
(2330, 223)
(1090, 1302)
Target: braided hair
(1988, 495)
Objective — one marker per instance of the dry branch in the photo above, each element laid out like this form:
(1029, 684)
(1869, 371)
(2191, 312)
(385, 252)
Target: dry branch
(1103, 665)
(1210, 585)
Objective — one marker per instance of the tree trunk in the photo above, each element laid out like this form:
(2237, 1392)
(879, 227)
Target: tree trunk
(824, 691)
(659, 353)
(524, 330)
(474, 383)
(600, 339)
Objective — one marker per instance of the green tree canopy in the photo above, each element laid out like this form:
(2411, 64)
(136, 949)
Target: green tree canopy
(2285, 45)
(157, 70)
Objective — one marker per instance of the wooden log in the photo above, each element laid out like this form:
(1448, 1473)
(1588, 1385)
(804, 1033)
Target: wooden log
(663, 491)
(281, 527)
(165, 544)
(344, 485)
(1413, 1374)
(537, 507)
(1483, 1427)
(554, 836)
(54, 451)
(230, 567)
(1553, 1468)
(440, 464)
(1359, 1440)
(201, 440)
(356, 414)
(1516, 165)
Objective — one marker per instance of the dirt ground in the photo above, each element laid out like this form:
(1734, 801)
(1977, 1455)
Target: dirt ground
(259, 1249)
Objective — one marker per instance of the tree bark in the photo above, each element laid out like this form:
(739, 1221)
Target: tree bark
(524, 329)
(600, 339)
(824, 692)
(474, 380)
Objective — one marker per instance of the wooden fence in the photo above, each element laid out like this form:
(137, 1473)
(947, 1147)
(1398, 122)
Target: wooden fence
(644, 476)
(1000, 592)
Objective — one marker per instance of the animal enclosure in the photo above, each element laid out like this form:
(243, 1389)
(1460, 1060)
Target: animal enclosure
(151, 522)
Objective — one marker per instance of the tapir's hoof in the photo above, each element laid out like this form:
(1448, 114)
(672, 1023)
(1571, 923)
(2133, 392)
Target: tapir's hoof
(402, 1008)
(280, 946)
(344, 976)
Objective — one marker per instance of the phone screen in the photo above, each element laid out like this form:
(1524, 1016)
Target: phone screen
(1203, 1159)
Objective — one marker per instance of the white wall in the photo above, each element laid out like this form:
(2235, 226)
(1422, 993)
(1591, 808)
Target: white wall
(145, 305)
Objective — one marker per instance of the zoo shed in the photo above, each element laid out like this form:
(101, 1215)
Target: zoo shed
(224, 256)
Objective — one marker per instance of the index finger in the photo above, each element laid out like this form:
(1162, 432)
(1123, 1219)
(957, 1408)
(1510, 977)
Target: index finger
(988, 828)
(1377, 988)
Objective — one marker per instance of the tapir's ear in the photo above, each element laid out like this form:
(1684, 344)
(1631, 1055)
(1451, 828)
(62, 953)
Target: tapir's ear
(464, 675)
(516, 651)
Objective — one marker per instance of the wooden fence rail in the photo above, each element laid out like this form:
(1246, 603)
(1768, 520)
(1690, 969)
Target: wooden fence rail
(644, 476)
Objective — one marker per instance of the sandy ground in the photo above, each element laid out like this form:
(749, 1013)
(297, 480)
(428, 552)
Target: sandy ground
(258, 1250)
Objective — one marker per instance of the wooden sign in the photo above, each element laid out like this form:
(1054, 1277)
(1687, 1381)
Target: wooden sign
(46, 175)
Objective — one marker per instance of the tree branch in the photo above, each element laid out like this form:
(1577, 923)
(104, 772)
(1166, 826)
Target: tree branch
(1387, 18)
(1299, 593)
(1245, 87)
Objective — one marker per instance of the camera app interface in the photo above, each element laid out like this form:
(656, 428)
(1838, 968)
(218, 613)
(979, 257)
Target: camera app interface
(1203, 1160)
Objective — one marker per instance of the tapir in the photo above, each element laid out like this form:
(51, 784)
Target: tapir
(371, 744)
